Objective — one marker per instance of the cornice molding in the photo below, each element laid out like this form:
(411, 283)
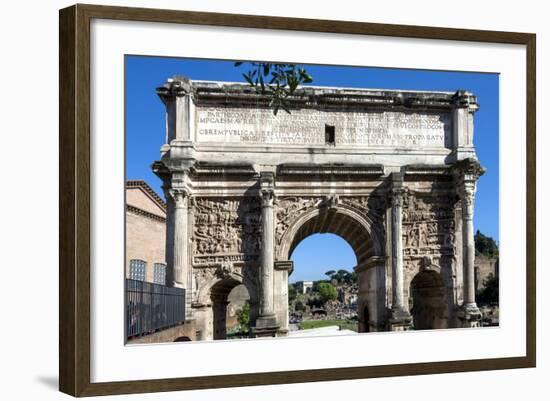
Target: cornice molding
(144, 213)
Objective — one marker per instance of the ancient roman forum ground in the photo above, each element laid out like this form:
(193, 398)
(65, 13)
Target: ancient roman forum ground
(392, 172)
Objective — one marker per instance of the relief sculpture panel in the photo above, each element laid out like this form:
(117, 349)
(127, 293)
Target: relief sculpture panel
(289, 209)
(428, 225)
(226, 230)
(373, 206)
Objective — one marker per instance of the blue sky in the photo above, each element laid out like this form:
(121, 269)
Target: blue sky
(145, 133)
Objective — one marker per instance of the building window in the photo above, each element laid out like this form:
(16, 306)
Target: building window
(137, 269)
(159, 275)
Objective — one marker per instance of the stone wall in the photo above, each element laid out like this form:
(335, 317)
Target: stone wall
(484, 266)
(391, 172)
(389, 127)
(169, 335)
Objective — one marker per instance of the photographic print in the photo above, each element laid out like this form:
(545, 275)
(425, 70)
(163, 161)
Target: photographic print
(335, 188)
(280, 199)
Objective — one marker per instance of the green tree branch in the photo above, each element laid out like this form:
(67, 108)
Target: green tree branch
(279, 81)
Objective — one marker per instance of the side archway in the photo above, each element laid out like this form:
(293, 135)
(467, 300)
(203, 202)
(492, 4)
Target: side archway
(429, 301)
(212, 301)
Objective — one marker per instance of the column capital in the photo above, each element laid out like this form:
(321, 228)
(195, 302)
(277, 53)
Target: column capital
(267, 188)
(467, 171)
(397, 189)
(180, 196)
(396, 196)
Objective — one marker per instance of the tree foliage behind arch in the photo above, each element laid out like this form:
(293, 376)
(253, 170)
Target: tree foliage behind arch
(485, 246)
(279, 81)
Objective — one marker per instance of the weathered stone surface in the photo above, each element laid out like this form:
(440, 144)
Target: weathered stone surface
(226, 230)
(258, 184)
(484, 268)
(308, 127)
(181, 332)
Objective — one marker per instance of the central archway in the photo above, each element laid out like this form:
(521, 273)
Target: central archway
(367, 244)
(343, 221)
(323, 260)
(319, 253)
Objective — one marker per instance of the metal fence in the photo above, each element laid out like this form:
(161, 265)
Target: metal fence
(152, 307)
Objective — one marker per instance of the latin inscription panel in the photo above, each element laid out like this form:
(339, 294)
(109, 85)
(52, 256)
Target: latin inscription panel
(308, 127)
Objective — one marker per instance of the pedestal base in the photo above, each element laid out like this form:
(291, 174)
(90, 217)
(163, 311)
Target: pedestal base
(282, 332)
(469, 316)
(266, 326)
(204, 322)
(400, 320)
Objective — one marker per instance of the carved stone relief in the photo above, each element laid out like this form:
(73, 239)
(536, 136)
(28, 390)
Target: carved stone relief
(429, 234)
(374, 206)
(226, 230)
(289, 209)
(428, 225)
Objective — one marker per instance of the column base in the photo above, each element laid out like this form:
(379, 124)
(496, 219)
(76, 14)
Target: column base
(266, 326)
(469, 316)
(282, 332)
(400, 320)
(203, 315)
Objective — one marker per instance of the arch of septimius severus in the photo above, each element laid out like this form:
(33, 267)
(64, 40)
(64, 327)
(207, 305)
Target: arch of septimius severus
(392, 172)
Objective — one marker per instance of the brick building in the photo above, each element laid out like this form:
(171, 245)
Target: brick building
(145, 233)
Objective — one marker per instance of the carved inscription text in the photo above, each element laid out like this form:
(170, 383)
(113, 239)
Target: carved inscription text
(308, 127)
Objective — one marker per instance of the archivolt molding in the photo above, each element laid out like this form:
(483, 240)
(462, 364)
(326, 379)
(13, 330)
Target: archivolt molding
(444, 266)
(233, 275)
(293, 213)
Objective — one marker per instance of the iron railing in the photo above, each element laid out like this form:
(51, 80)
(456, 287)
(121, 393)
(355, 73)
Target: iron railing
(152, 307)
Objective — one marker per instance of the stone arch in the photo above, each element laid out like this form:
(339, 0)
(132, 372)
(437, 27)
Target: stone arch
(237, 300)
(343, 221)
(211, 301)
(204, 288)
(430, 308)
(219, 293)
(446, 268)
(366, 240)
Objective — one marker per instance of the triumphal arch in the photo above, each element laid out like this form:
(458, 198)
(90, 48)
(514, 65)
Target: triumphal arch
(392, 172)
